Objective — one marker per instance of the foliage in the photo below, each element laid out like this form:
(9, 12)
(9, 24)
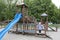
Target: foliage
(7, 10)
(37, 7)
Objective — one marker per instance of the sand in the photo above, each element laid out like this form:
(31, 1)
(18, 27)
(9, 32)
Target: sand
(12, 36)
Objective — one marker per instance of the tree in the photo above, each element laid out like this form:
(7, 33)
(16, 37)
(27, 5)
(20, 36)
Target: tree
(7, 9)
(37, 7)
(2, 7)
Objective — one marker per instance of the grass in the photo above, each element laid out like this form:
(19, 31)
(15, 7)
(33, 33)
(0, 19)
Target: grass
(3, 25)
(54, 25)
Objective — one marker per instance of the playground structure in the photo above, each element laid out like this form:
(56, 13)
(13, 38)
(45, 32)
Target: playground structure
(26, 20)
(44, 20)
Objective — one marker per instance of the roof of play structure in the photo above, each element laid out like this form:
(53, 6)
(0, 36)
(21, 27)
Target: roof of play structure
(21, 3)
(44, 14)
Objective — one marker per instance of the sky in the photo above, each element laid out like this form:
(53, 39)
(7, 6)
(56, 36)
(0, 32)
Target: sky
(56, 2)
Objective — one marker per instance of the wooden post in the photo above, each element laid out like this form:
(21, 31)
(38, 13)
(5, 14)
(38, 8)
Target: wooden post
(46, 23)
(56, 29)
(17, 28)
(35, 23)
(27, 25)
(45, 28)
(23, 7)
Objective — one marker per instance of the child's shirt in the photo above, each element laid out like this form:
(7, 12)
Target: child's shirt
(40, 27)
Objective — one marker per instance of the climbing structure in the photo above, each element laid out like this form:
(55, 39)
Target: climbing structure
(44, 20)
(26, 18)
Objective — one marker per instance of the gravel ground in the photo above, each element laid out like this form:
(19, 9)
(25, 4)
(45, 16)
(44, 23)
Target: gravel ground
(11, 36)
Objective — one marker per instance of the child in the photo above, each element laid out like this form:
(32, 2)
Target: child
(40, 27)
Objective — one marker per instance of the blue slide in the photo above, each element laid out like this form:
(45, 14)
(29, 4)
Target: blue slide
(17, 17)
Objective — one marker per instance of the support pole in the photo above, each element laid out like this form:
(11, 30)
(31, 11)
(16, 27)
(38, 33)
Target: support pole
(17, 28)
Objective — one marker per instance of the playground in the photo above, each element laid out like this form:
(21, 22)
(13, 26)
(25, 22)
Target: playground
(25, 26)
